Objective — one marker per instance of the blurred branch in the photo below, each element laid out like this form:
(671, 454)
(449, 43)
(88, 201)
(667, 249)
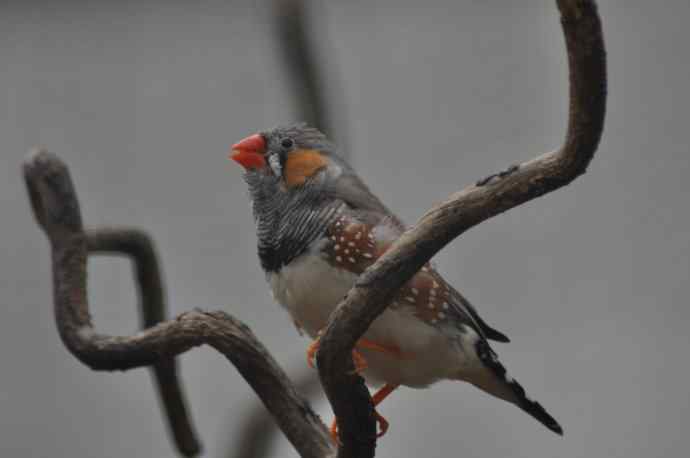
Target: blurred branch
(139, 247)
(56, 209)
(258, 431)
(463, 210)
(306, 74)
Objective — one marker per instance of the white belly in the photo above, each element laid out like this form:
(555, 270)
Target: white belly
(310, 289)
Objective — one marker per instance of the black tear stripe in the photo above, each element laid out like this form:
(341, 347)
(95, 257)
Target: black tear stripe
(287, 222)
(533, 408)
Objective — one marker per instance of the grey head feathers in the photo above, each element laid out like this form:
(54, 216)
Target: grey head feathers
(303, 136)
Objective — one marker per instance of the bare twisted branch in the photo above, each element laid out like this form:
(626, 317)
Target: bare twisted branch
(376, 287)
(56, 208)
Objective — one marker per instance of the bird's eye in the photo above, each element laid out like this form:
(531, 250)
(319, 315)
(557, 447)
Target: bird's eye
(287, 143)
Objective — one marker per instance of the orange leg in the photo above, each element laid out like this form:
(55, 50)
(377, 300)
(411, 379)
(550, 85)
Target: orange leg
(357, 358)
(376, 399)
(311, 353)
(360, 365)
(359, 361)
(383, 393)
(371, 345)
(334, 431)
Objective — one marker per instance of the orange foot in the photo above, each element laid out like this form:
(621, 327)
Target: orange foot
(380, 420)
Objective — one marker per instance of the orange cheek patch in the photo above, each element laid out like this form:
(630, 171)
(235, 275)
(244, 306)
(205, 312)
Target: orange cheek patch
(303, 164)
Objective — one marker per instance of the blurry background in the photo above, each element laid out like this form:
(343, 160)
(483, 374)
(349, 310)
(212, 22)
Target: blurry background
(143, 99)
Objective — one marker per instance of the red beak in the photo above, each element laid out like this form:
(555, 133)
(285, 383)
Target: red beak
(249, 153)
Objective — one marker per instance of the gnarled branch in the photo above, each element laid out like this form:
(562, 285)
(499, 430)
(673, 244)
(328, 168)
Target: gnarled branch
(56, 208)
(376, 287)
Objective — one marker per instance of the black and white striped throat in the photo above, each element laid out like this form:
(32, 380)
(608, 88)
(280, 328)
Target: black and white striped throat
(287, 222)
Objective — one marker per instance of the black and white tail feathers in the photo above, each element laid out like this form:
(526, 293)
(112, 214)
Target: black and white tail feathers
(465, 306)
(488, 331)
(488, 357)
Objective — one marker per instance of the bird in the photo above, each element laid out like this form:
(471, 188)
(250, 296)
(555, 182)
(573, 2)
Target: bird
(318, 228)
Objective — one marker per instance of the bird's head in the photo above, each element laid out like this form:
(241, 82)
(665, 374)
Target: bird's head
(293, 156)
(290, 162)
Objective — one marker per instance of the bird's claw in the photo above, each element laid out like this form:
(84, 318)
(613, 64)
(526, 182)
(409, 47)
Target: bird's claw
(381, 422)
(311, 353)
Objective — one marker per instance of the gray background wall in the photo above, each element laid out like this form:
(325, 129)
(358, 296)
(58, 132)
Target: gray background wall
(142, 99)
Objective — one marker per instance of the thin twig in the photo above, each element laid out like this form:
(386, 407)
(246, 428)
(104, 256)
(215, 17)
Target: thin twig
(56, 209)
(376, 287)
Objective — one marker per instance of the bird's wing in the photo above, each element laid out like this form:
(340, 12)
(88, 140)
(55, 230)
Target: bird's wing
(458, 302)
(356, 239)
